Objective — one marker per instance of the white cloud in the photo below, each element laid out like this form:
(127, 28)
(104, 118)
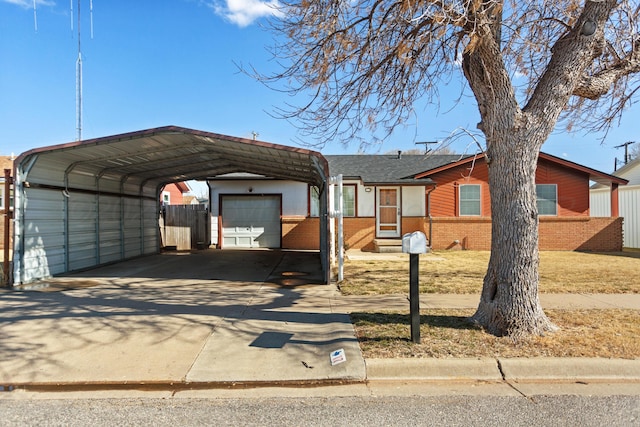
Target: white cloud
(27, 4)
(245, 12)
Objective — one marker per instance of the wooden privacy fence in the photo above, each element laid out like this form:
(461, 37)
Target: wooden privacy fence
(185, 227)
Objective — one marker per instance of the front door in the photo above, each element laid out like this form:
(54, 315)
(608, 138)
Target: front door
(388, 212)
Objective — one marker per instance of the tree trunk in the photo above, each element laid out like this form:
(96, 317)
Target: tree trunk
(509, 304)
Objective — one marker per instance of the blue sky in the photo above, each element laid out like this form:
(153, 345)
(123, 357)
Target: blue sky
(172, 62)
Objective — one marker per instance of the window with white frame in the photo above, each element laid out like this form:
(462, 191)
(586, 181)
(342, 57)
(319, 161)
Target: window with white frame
(470, 200)
(348, 200)
(314, 201)
(166, 198)
(3, 199)
(547, 199)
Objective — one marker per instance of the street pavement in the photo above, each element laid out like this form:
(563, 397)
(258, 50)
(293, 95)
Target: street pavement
(221, 319)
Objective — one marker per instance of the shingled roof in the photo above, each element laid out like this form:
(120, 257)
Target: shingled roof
(383, 169)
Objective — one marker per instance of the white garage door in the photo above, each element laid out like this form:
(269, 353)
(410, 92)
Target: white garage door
(251, 221)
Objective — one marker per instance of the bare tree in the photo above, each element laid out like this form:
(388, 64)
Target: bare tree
(363, 64)
(634, 153)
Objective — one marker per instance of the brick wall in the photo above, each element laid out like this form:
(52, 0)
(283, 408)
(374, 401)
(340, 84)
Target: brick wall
(461, 233)
(555, 233)
(300, 233)
(584, 234)
(411, 224)
(2, 234)
(359, 233)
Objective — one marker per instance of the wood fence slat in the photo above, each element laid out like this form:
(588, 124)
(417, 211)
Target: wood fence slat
(185, 226)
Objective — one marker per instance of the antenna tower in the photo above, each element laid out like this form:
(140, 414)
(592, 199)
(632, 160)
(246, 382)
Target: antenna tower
(79, 68)
(426, 145)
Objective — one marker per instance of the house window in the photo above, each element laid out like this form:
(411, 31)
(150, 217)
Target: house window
(470, 200)
(547, 199)
(166, 198)
(314, 201)
(2, 196)
(348, 200)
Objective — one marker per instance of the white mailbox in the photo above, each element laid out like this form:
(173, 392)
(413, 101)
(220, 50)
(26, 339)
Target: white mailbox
(414, 243)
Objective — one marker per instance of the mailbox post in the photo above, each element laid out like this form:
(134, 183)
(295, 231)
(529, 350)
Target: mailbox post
(414, 244)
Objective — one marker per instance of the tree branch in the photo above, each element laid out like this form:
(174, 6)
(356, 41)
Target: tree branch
(571, 55)
(594, 86)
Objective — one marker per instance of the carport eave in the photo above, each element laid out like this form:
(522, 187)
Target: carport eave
(216, 146)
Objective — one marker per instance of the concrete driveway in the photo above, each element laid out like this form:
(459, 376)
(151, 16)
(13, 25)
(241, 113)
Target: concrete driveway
(203, 317)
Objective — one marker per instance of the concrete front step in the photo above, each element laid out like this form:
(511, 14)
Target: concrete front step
(387, 245)
(387, 242)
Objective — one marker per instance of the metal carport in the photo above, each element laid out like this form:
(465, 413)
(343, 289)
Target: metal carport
(94, 202)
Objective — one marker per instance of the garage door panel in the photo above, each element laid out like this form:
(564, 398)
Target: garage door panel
(251, 221)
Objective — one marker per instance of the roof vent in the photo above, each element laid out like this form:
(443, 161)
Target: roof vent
(399, 154)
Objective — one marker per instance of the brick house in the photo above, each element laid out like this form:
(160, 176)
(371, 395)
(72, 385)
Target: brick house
(173, 194)
(386, 196)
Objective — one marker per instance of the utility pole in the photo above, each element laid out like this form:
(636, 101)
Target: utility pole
(626, 150)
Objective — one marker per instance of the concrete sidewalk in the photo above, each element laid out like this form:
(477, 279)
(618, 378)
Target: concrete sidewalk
(239, 317)
(351, 303)
(142, 324)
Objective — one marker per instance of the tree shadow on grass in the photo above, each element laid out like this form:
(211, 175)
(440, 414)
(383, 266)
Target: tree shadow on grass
(627, 253)
(404, 319)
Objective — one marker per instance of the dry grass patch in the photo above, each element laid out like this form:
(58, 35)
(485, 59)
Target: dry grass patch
(462, 272)
(586, 272)
(446, 333)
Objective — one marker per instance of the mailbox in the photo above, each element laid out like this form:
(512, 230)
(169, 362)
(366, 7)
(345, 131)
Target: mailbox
(414, 243)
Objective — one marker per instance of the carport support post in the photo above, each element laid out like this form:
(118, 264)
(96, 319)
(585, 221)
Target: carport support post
(336, 212)
(8, 215)
(414, 297)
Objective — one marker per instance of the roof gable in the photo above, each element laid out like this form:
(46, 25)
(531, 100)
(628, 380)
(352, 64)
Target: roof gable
(594, 175)
(387, 168)
(182, 186)
(630, 171)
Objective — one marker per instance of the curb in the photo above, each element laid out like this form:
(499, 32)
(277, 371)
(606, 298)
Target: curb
(539, 369)
(570, 369)
(510, 370)
(483, 369)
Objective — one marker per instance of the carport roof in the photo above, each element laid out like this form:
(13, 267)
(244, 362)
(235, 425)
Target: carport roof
(172, 154)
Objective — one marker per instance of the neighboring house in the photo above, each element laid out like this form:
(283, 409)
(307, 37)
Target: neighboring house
(6, 162)
(174, 193)
(386, 196)
(193, 200)
(628, 202)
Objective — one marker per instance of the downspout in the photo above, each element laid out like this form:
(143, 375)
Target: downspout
(429, 215)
